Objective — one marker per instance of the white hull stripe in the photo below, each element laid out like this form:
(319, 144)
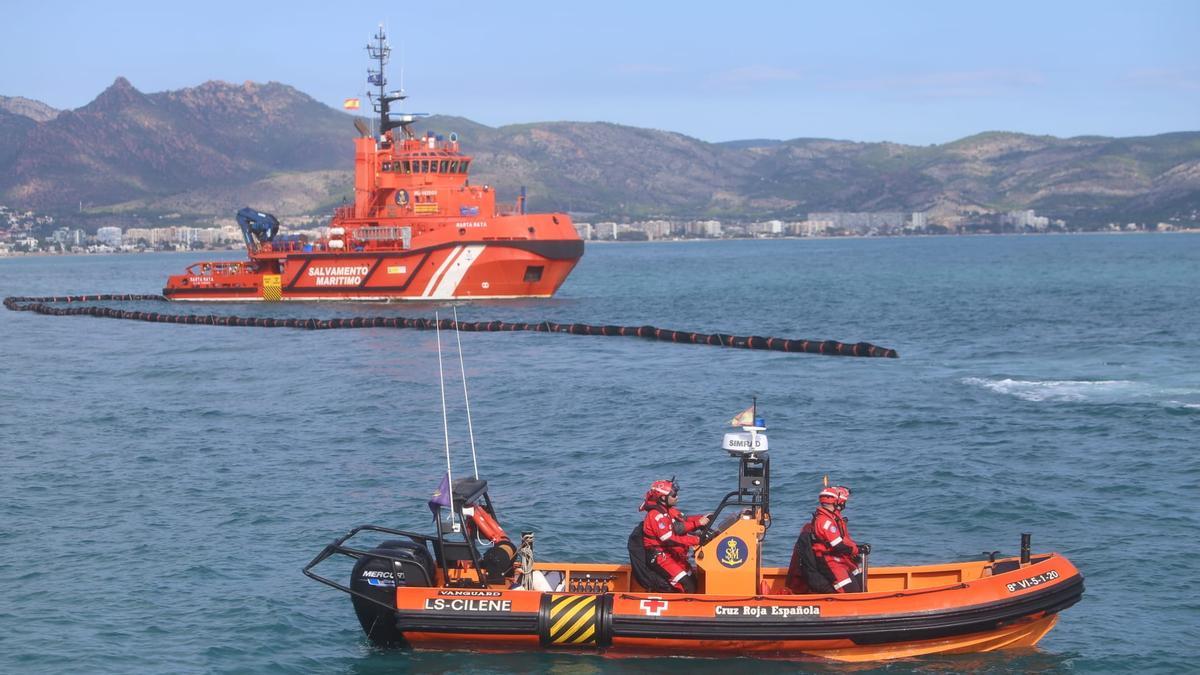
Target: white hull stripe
(437, 274)
(455, 273)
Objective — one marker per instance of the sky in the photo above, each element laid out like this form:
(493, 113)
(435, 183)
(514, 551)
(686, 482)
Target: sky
(908, 72)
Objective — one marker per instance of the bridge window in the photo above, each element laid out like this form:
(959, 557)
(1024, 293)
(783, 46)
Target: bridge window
(454, 166)
(463, 165)
(444, 164)
(433, 166)
(424, 166)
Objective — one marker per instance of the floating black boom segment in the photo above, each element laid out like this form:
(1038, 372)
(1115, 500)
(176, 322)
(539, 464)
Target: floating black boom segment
(51, 306)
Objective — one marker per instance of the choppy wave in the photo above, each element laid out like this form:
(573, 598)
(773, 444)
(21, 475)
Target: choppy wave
(1086, 391)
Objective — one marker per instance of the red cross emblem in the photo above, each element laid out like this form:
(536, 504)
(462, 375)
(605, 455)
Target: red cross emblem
(653, 606)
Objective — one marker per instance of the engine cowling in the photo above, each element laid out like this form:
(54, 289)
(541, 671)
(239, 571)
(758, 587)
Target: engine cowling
(375, 578)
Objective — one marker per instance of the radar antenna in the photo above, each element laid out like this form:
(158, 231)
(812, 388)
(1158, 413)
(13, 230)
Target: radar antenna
(379, 51)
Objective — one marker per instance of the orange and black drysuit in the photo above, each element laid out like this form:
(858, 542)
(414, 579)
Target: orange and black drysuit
(833, 548)
(666, 536)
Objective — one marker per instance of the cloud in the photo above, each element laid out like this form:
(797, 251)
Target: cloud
(948, 84)
(1185, 79)
(757, 74)
(645, 69)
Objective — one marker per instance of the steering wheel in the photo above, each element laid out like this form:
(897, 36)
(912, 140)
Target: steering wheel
(706, 532)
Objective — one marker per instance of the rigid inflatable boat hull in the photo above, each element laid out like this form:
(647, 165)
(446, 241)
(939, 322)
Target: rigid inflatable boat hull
(1012, 609)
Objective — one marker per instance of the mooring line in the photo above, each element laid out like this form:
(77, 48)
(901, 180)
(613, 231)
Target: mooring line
(49, 306)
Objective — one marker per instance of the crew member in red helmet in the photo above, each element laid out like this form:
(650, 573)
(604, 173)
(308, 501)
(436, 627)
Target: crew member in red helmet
(835, 551)
(666, 534)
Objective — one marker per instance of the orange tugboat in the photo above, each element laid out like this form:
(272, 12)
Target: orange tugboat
(468, 586)
(418, 230)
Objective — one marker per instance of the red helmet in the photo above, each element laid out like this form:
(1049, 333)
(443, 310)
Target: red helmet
(661, 489)
(658, 493)
(843, 494)
(834, 495)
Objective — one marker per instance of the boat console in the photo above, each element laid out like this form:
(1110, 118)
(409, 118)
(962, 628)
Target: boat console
(729, 559)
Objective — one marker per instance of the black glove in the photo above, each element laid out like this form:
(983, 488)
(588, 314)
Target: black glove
(864, 549)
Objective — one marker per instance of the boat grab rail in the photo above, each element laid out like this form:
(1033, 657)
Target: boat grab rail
(709, 532)
(337, 547)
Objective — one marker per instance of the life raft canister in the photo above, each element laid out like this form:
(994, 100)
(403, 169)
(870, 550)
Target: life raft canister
(487, 525)
(498, 561)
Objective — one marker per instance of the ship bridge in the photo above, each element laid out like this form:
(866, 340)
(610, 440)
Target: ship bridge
(411, 176)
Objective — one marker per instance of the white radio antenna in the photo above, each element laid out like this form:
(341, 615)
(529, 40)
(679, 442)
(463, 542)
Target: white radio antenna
(445, 424)
(466, 399)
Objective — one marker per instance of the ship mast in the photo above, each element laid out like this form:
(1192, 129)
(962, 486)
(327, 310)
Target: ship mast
(379, 52)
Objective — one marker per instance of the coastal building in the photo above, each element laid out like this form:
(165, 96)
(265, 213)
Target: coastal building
(656, 229)
(863, 222)
(766, 227)
(1025, 220)
(704, 228)
(607, 230)
(109, 236)
(68, 237)
(810, 228)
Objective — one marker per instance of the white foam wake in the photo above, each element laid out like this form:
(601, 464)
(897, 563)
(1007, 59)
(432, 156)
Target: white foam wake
(1094, 391)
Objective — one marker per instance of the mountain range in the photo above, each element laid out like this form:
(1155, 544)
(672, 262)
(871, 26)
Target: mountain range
(210, 149)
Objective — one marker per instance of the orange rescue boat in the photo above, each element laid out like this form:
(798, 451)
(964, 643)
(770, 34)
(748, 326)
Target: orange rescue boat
(468, 586)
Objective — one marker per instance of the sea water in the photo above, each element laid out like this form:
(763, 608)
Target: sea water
(161, 486)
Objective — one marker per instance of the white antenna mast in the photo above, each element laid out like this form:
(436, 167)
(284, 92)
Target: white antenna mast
(466, 399)
(445, 424)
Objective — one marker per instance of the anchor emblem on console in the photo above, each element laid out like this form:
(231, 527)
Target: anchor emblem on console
(733, 552)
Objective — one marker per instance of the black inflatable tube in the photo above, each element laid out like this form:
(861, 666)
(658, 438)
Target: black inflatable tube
(46, 306)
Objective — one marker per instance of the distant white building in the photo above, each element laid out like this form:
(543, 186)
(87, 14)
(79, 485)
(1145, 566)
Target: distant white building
(863, 221)
(656, 229)
(704, 228)
(772, 227)
(810, 228)
(109, 236)
(1026, 219)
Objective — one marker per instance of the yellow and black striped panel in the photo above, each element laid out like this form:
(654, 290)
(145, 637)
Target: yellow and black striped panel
(574, 620)
(271, 288)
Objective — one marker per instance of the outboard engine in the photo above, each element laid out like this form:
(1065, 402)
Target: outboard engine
(395, 563)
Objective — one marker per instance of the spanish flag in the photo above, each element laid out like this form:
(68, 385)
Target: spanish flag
(744, 418)
(351, 104)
